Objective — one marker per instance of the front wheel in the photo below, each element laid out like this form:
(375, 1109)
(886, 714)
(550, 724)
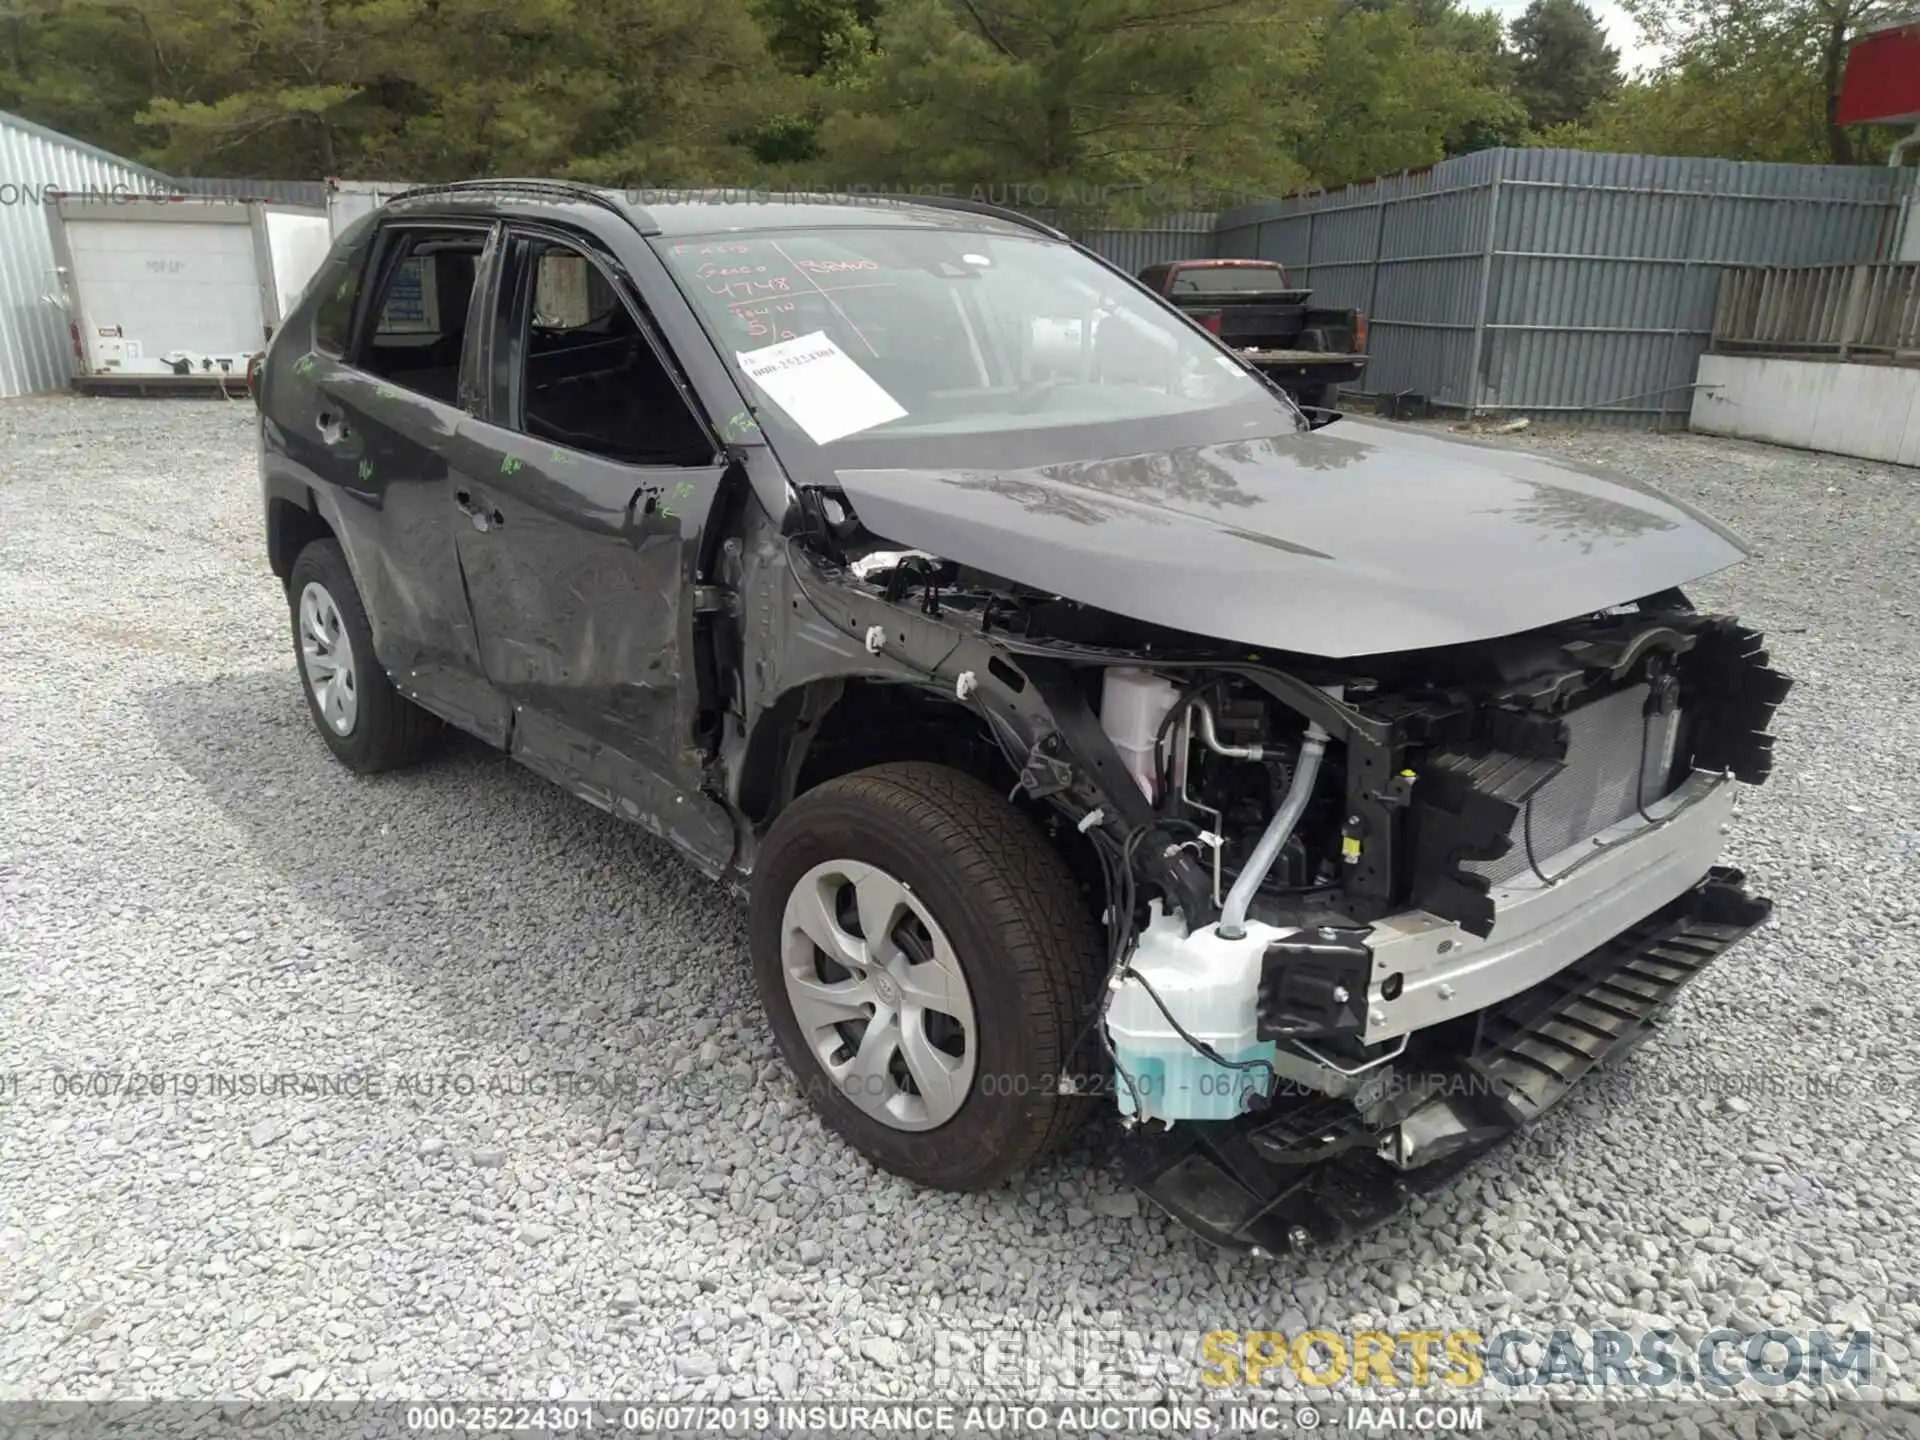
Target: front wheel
(925, 960)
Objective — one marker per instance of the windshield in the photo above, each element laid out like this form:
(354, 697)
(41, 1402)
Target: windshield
(855, 340)
(1228, 280)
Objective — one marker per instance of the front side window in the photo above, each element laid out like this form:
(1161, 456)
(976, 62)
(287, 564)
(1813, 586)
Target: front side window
(857, 340)
(416, 331)
(576, 368)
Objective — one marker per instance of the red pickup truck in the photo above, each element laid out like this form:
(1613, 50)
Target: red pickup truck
(1251, 305)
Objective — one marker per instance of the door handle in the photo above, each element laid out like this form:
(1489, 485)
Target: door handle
(483, 518)
(332, 427)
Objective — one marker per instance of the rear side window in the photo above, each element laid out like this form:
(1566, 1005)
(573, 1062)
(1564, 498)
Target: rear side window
(415, 333)
(339, 288)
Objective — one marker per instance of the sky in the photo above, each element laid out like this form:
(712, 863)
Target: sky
(1622, 33)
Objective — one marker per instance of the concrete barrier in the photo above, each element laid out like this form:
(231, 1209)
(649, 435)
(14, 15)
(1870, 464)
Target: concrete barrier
(1843, 408)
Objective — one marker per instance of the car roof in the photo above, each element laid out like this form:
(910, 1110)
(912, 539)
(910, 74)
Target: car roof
(670, 213)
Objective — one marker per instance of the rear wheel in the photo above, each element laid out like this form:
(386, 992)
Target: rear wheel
(925, 962)
(367, 724)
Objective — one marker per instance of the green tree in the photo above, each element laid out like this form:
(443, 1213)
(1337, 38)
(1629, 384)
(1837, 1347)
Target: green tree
(1145, 102)
(1747, 78)
(819, 37)
(1395, 86)
(621, 91)
(266, 87)
(83, 69)
(1563, 66)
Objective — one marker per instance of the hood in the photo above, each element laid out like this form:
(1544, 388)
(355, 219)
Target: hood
(1356, 539)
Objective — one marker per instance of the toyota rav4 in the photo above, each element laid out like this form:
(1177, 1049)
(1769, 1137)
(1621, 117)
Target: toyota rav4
(1083, 724)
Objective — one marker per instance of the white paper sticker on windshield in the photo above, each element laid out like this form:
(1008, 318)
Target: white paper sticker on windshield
(820, 386)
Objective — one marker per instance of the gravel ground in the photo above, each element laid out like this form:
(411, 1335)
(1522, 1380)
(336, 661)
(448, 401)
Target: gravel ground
(192, 890)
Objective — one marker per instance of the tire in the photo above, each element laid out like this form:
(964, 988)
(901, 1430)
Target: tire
(1017, 927)
(375, 728)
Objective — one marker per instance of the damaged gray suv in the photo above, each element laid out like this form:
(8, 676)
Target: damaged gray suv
(1085, 726)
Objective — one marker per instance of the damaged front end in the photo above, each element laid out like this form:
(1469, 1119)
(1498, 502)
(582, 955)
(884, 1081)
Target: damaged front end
(1340, 1142)
(1485, 871)
(1367, 916)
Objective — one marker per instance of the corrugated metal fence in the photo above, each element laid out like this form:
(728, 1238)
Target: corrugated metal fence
(1558, 282)
(1180, 235)
(35, 351)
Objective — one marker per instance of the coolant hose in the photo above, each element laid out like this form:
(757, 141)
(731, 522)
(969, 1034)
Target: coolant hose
(1233, 918)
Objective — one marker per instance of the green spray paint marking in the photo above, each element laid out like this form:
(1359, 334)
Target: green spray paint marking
(557, 456)
(386, 392)
(366, 469)
(304, 365)
(509, 464)
(741, 424)
(685, 487)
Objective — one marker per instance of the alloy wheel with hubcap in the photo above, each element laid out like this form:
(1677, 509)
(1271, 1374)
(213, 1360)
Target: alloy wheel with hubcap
(326, 656)
(879, 994)
(927, 961)
(367, 724)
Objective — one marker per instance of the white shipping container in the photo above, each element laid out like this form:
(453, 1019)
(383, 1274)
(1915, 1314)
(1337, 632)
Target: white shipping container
(179, 288)
(298, 247)
(348, 200)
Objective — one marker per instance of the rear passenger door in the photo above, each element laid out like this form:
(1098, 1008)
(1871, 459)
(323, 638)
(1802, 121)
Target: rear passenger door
(582, 539)
(388, 426)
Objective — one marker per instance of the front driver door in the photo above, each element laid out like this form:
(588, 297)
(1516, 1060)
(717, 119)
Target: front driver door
(582, 536)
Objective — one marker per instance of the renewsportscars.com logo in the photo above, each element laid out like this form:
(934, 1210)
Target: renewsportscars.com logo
(1524, 1359)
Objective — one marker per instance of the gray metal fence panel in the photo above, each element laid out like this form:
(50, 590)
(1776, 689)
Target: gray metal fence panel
(1407, 249)
(36, 352)
(1560, 282)
(1605, 268)
(1185, 235)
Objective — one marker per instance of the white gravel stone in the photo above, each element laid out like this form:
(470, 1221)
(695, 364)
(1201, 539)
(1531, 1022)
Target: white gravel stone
(191, 889)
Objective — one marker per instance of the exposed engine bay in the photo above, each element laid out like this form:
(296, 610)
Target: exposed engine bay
(1367, 916)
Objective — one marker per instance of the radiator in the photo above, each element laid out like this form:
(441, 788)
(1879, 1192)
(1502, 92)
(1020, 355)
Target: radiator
(1618, 761)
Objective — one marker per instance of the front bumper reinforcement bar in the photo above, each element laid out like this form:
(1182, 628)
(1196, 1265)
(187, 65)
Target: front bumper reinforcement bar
(1308, 1168)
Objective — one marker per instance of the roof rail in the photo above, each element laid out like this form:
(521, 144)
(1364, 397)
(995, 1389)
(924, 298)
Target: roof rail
(981, 207)
(576, 190)
(557, 189)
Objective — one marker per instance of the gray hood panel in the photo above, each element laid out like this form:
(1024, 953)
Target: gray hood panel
(1351, 540)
